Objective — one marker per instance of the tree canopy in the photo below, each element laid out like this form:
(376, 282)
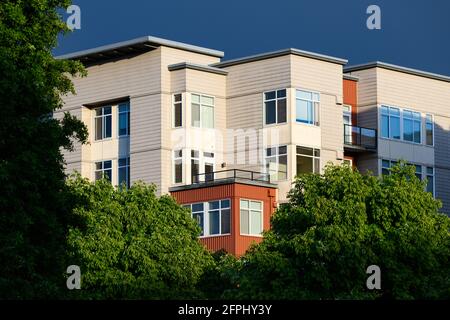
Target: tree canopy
(33, 212)
(131, 244)
(336, 225)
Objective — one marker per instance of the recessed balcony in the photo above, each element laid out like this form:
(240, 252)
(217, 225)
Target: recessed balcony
(359, 139)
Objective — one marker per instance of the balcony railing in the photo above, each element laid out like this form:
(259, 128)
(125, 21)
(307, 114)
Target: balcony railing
(360, 137)
(230, 174)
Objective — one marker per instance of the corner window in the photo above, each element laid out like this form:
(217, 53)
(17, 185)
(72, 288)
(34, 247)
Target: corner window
(202, 161)
(276, 163)
(124, 119)
(202, 111)
(103, 120)
(124, 172)
(308, 160)
(411, 126)
(429, 128)
(307, 107)
(213, 218)
(178, 166)
(251, 217)
(103, 169)
(177, 111)
(275, 108)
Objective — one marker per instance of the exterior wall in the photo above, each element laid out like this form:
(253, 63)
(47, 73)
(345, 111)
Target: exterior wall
(351, 98)
(235, 243)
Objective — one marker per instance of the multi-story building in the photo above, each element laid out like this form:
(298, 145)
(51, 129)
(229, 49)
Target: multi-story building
(227, 138)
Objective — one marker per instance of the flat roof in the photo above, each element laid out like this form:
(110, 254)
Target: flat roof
(134, 46)
(349, 77)
(194, 66)
(280, 53)
(384, 65)
(220, 182)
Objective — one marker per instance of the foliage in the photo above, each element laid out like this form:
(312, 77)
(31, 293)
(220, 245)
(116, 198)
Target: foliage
(337, 224)
(131, 244)
(32, 209)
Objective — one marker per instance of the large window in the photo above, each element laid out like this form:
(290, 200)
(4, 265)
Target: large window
(177, 111)
(195, 166)
(308, 160)
(429, 128)
(103, 169)
(202, 111)
(275, 106)
(251, 217)
(178, 166)
(276, 163)
(124, 171)
(214, 217)
(103, 120)
(307, 107)
(124, 119)
(411, 126)
(390, 122)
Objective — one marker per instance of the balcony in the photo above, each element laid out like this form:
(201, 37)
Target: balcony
(359, 139)
(233, 174)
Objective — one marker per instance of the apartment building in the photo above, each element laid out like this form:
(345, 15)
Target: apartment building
(227, 138)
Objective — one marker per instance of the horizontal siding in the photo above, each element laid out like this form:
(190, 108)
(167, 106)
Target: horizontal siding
(219, 243)
(146, 167)
(442, 177)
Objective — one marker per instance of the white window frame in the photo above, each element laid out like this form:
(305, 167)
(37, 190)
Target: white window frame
(128, 113)
(202, 161)
(103, 117)
(127, 169)
(206, 209)
(308, 156)
(402, 127)
(277, 161)
(201, 108)
(276, 107)
(249, 217)
(174, 103)
(174, 159)
(316, 113)
(432, 175)
(103, 169)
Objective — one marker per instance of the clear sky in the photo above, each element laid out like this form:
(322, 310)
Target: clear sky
(414, 33)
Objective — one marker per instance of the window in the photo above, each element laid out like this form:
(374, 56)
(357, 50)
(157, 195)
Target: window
(203, 160)
(307, 107)
(124, 171)
(177, 111)
(347, 119)
(275, 106)
(430, 180)
(390, 122)
(418, 170)
(103, 118)
(276, 163)
(411, 126)
(217, 221)
(308, 160)
(103, 169)
(429, 128)
(195, 166)
(124, 119)
(251, 217)
(202, 111)
(178, 166)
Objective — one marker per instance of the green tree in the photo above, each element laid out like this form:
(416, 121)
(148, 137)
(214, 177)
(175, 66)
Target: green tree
(339, 223)
(33, 214)
(131, 244)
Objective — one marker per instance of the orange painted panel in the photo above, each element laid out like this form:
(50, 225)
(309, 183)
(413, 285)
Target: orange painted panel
(351, 97)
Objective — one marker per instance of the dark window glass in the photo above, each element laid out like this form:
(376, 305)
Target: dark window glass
(270, 112)
(281, 111)
(225, 221)
(281, 93)
(214, 222)
(269, 95)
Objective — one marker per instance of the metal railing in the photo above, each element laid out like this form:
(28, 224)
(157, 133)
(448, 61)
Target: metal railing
(230, 174)
(360, 137)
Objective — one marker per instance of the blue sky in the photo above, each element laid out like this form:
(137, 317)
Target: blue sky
(414, 33)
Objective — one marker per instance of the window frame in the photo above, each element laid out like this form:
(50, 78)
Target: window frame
(432, 129)
(103, 116)
(201, 105)
(127, 113)
(277, 157)
(315, 113)
(249, 217)
(103, 170)
(127, 167)
(174, 159)
(276, 106)
(402, 128)
(206, 232)
(174, 103)
(314, 157)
